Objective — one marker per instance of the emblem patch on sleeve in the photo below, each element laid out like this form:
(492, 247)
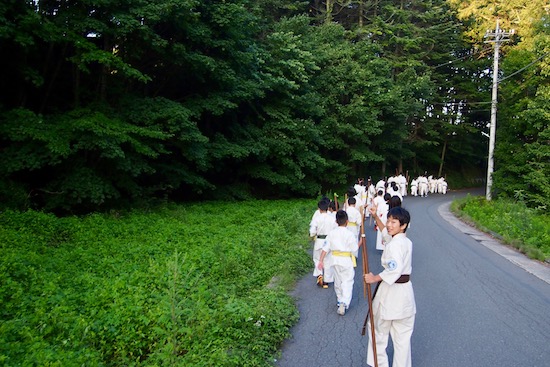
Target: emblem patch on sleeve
(392, 265)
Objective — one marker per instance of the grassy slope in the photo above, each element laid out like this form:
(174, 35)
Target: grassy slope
(194, 285)
(526, 229)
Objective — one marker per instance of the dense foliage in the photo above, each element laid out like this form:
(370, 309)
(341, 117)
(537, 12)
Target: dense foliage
(196, 285)
(522, 151)
(110, 102)
(511, 221)
(104, 103)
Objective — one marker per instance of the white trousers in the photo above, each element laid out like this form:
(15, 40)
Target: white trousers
(400, 332)
(343, 283)
(379, 245)
(327, 274)
(423, 189)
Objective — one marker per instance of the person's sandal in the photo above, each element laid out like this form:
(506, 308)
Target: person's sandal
(320, 281)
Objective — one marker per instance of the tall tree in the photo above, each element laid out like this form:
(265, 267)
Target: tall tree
(521, 153)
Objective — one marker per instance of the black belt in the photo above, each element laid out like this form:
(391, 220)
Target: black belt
(402, 279)
(322, 236)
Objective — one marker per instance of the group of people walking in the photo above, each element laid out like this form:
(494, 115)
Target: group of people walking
(421, 185)
(338, 238)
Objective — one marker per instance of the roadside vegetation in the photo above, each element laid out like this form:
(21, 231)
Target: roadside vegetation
(511, 221)
(202, 284)
(196, 285)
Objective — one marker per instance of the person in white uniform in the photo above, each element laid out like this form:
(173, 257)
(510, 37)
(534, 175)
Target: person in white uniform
(422, 186)
(360, 189)
(414, 187)
(320, 226)
(381, 185)
(381, 211)
(379, 199)
(402, 182)
(354, 218)
(393, 190)
(432, 183)
(444, 187)
(371, 194)
(394, 305)
(341, 244)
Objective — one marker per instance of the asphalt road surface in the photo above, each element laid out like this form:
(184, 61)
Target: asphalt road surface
(478, 302)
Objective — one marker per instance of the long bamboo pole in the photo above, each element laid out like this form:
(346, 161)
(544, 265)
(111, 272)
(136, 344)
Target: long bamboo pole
(345, 202)
(366, 287)
(364, 255)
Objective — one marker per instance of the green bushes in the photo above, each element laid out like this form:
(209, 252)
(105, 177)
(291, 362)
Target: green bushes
(523, 227)
(195, 285)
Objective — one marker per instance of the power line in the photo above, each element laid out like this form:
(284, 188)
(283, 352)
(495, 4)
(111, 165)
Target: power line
(458, 103)
(461, 58)
(525, 67)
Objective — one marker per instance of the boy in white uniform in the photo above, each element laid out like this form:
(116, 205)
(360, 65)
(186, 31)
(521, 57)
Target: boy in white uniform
(320, 226)
(341, 244)
(422, 186)
(414, 187)
(402, 182)
(354, 217)
(371, 194)
(360, 189)
(394, 306)
(381, 185)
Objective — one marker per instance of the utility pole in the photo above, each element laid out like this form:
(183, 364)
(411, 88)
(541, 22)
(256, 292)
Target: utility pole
(497, 37)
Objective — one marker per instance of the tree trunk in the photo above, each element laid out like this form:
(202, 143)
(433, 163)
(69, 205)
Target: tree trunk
(361, 10)
(328, 13)
(53, 79)
(104, 71)
(400, 166)
(76, 86)
(442, 158)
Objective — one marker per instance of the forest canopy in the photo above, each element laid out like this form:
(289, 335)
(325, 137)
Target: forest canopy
(106, 103)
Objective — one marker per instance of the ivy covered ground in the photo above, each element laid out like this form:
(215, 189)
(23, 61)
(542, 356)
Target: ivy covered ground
(193, 285)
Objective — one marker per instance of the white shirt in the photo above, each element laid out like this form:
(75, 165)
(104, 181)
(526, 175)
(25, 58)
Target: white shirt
(322, 224)
(354, 216)
(396, 300)
(378, 200)
(340, 239)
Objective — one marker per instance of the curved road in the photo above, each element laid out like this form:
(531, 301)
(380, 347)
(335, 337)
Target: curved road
(478, 304)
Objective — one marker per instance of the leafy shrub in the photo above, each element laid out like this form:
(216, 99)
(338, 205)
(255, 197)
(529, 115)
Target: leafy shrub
(196, 285)
(518, 225)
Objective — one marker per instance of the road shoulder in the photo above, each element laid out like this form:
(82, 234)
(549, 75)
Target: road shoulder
(540, 270)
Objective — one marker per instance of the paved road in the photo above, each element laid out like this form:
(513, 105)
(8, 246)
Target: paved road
(478, 303)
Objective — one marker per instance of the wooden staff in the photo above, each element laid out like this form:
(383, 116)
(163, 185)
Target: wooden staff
(345, 201)
(364, 255)
(366, 287)
(336, 200)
